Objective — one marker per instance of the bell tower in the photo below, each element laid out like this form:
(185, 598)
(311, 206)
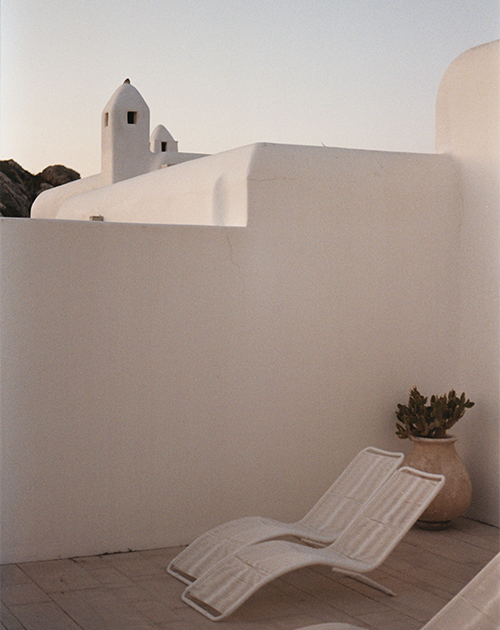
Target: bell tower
(124, 135)
(161, 141)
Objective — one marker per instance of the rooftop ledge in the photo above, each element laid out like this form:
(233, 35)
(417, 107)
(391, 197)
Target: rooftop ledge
(216, 189)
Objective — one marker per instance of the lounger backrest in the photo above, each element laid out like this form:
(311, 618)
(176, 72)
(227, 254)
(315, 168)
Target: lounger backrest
(359, 481)
(388, 515)
(476, 607)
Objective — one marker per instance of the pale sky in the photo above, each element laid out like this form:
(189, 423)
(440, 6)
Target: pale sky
(220, 74)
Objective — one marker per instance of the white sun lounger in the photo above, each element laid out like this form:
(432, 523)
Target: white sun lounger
(321, 525)
(363, 545)
(476, 607)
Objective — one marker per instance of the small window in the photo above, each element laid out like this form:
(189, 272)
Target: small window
(163, 147)
(131, 118)
(106, 119)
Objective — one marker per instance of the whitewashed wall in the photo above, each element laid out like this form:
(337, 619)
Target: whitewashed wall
(157, 380)
(468, 128)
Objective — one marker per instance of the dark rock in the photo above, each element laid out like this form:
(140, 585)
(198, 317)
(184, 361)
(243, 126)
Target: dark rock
(57, 175)
(14, 202)
(19, 188)
(16, 190)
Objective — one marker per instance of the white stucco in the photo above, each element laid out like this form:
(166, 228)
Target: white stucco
(468, 128)
(124, 136)
(127, 150)
(208, 191)
(181, 375)
(47, 205)
(162, 135)
(160, 379)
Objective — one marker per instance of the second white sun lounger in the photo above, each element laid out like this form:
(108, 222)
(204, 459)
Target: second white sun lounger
(321, 525)
(363, 545)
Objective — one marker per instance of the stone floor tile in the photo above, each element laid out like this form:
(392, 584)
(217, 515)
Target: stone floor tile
(155, 611)
(59, 575)
(133, 593)
(330, 590)
(268, 604)
(164, 588)
(435, 567)
(107, 575)
(390, 620)
(483, 536)
(103, 571)
(43, 616)
(439, 586)
(7, 620)
(99, 609)
(26, 593)
(11, 574)
(162, 557)
(423, 607)
(417, 604)
(132, 564)
(285, 623)
(447, 544)
(89, 562)
(201, 623)
(297, 621)
(476, 528)
(190, 619)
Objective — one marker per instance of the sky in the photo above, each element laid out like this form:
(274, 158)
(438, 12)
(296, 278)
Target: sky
(221, 74)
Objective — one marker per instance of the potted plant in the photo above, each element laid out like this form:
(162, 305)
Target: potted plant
(426, 425)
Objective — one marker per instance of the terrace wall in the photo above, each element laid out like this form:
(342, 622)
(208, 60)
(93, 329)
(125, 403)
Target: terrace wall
(157, 380)
(468, 129)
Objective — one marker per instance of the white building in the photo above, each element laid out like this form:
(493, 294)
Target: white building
(127, 150)
(160, 379)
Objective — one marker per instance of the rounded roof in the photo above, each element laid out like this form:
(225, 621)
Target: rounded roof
(161, 133)
(126, 98)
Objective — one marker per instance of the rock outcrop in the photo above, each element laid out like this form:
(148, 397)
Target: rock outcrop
(19, 188)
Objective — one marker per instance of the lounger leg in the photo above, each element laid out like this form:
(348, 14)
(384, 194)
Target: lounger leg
(366, 580)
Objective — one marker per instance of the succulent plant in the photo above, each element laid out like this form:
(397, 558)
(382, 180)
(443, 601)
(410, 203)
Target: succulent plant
(431, 421)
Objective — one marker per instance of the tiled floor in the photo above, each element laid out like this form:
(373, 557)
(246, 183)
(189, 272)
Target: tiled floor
(132, 591)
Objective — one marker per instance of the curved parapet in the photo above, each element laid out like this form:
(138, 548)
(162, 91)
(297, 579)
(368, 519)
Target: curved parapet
(468, 104)
(47, 204)
(212, 190)
(235, 188)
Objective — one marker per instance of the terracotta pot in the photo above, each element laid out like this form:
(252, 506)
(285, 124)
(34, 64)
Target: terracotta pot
(439, 456)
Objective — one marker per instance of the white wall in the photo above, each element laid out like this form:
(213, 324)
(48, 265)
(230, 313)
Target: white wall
(207, 191)
(157, 380)
(468, 128)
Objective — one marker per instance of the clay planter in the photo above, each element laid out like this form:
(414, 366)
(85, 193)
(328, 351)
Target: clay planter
(438, 455)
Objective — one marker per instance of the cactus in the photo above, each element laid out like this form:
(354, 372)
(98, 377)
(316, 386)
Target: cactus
(432, 421)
